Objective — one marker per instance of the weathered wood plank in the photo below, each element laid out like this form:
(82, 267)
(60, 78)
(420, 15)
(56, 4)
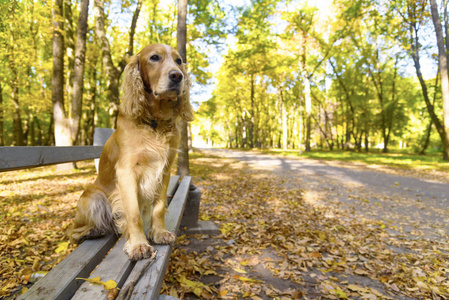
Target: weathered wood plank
(150, 283)
(101, 135)
(60, 282)
(15, 158)
(116, 265)
(172, 185)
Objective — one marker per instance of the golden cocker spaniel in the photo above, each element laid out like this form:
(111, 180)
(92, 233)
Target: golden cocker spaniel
(129, 194)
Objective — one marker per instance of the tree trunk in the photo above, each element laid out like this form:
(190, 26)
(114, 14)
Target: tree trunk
(307, 95)
(2, 141)
(62, 124)
(32, 130)
(17, 119)
(14, 82)
(69, 44)
(39, 133)
(112, 73)
(183, 155)
(426, 139)
(300, 126)
(78, 72)
(429, 127)
(284, 120)
(442, 60)
(251, 112)
(430, 108)
(91, 117)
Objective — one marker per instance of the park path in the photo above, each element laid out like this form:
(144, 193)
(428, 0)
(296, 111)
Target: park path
(411, 207)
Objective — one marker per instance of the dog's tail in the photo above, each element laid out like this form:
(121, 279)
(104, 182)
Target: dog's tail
(93, 217)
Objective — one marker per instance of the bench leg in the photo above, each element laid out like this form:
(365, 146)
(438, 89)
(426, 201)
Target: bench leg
(191, 214)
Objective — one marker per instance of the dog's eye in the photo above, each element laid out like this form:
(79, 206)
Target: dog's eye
(178, 61)
(155, 57)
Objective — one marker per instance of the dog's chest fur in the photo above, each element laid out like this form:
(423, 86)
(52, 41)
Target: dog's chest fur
(150, 165)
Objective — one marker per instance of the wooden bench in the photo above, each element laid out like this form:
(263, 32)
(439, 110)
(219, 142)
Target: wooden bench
(104, 257)
(61, 282)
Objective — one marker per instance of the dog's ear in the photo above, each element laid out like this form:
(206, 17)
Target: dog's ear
(185, 109)
(133, 89)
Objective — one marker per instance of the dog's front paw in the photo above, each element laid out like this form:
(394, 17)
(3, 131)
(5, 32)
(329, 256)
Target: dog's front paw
(163, 237)
(138, 251)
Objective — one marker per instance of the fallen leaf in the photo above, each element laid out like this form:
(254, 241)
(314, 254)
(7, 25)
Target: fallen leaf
(340, 294)
(239, 271)
(110, 284)
(246, 279)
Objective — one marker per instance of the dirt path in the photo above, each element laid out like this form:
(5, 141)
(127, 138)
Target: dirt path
(416, 207)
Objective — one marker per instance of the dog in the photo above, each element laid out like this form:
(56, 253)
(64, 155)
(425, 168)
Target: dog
(129, 194)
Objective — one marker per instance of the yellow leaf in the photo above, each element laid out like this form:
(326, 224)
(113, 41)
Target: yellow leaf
(239, 270)
(62, 247)
(110, 284)
(223, 293)
(91, 280)
(197, 291)
(24, 290)
(246, 279)
(340, 294)
(361, 272)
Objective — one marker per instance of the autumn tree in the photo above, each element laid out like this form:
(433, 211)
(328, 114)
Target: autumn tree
(414, 14)
(14, 68)
(183, 155)
(443, 67)
(78, 72)
(113, 71)
(62, 124)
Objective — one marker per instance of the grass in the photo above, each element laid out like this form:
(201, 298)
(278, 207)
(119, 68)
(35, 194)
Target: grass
(395, 159)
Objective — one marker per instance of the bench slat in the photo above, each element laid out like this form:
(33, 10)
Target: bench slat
(15, 158)
(60, 282)
(116, 265)
(149, 285)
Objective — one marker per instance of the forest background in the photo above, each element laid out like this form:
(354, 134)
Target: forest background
(352, 75)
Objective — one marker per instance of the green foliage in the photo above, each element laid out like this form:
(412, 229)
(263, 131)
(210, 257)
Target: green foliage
(356, 65)
(26, 50)
(353, 60)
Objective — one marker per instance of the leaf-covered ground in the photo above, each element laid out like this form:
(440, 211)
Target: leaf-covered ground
(280, 238)
(36, 209)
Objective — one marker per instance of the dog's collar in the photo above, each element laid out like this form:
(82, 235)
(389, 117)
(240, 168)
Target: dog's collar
(152, 123)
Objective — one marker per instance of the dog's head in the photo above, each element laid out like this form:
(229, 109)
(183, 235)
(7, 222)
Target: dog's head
(156, 85)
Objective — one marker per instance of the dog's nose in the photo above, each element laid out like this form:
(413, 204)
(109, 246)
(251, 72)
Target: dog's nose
(175, 76)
